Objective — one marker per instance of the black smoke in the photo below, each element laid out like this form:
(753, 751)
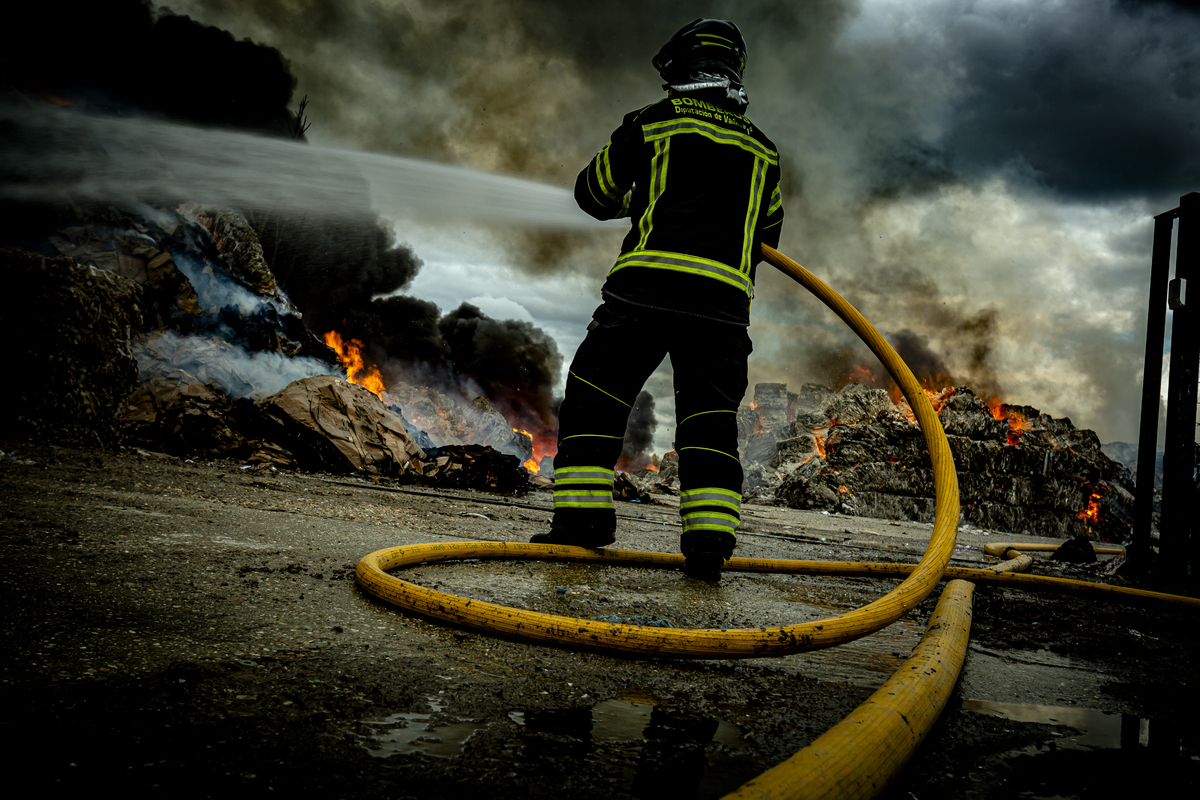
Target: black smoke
(1097, 100)
(639, 434)
(515, 364)
(343, 268)
(120, 57)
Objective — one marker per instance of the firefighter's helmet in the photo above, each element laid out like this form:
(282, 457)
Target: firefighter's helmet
(707, 45)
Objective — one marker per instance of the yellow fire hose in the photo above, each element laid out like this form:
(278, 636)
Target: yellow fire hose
(859, 756)
(711, 643)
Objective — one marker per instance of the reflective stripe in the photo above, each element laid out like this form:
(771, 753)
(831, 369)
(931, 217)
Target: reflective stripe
(709, 522)
(705, 37)
(598, 389)
(682, 262)
(776, 202)
(573, 498)
(714, 411)
(584, 475)
(604, 175)
(722, 498)
(656, 131)
(757, 180)
(713, 450)
(658, 185)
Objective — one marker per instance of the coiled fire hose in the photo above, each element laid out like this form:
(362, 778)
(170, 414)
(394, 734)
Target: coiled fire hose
(859, 756)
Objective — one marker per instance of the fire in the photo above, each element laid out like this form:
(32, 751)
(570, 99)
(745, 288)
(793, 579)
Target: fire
(1016, 421)
(1091, 512)
(819, 442)
(349, 352)
(542, 447)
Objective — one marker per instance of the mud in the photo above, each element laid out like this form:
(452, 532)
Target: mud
(194, 630)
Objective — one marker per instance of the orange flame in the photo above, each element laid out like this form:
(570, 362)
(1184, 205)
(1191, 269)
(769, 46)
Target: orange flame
(1016, 422)
(349, 352)
(542, 448)
(1091, 512)
(819, 443)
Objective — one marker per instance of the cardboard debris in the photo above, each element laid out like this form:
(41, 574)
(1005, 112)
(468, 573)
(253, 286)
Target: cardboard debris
(472, 466)
(175, 412)
(333, 425)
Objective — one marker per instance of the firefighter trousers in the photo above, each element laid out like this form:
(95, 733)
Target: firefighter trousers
(620, 352)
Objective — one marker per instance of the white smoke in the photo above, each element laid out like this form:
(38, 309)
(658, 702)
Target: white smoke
(82, 156)
(216, 362)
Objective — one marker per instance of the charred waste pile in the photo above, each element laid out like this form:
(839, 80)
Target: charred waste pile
(165, 320)
(858, 452)
(165, 329)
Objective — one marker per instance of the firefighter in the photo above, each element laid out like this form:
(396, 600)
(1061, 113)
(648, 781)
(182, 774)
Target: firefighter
(699, 183)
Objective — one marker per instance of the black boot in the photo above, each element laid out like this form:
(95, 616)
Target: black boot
(579, 537)
(705, 553)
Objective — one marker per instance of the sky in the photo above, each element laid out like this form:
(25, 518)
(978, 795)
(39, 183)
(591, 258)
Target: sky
(978, 178)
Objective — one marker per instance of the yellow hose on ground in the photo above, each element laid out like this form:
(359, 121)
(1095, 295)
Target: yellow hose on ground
(863, 753)
(646, 641)
(1000, 548)
(742, 643)
(858, 757)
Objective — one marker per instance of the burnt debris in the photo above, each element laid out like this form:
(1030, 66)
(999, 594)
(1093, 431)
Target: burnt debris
(855, 451)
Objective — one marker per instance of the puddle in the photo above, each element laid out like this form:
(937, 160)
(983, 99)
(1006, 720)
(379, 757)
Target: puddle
(1088, 728)
(867, 662)
(1094, 756)
(415, 733)
(630, 721)
(674, 753)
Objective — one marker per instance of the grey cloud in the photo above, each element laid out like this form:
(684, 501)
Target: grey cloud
(1099, 99)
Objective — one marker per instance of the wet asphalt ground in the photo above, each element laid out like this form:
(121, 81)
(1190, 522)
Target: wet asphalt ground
(194, 629)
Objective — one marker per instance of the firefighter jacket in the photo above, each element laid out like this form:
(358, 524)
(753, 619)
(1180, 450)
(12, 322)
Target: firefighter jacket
(700, 184)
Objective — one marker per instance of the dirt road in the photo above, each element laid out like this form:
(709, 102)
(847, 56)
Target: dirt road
(194, 630)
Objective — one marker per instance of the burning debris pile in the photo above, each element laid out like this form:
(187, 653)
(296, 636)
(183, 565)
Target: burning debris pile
(857, 452)
(198, 306)
(167, 330)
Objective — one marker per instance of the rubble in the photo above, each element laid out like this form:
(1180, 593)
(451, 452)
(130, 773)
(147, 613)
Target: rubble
(856, 452)
(68, 328)
(470, 466)
(175, 412)
(329, 424)
(238, 245)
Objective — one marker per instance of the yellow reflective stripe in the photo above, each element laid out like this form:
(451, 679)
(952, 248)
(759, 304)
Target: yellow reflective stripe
(757, 179)
(599, 202)
(658, 184)
(723, 498)
(657, 131)
(660, 259)
(776, 202)
(598, 389)
(583, 499)
(727, 497)
(705, 37)
(711, 450)
(708, 504)
(585, 475)
(604, 178)
(714, 411)
(593, 435)
(712, 522)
